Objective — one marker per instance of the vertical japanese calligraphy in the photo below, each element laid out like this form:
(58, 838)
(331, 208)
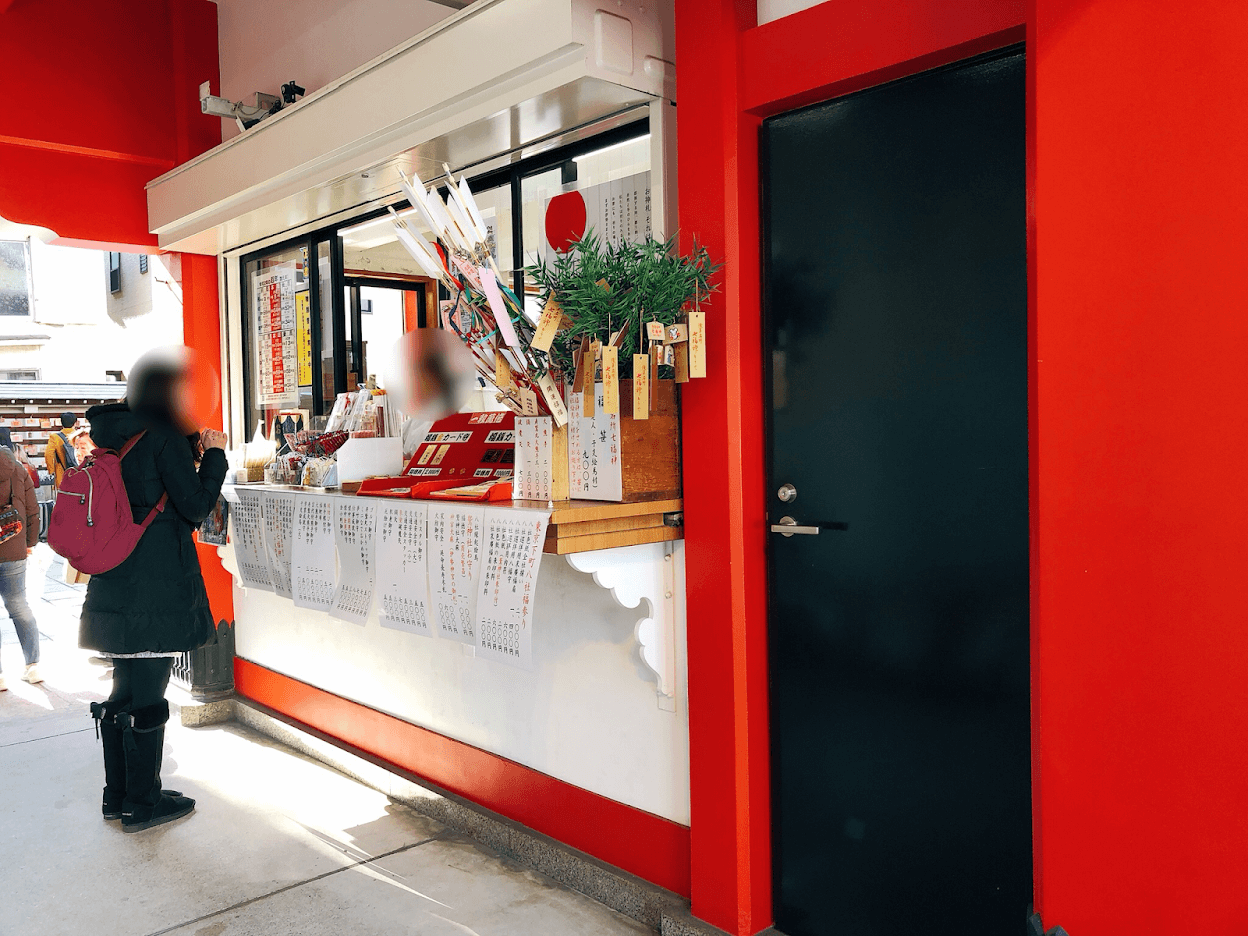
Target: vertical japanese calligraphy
(355, 529)
(511, 557)
(402, 568)
(248, 520)
(595, 469)
(454, 568)
(312, 555)
(534, 458)
(273, 297)
(279, 521)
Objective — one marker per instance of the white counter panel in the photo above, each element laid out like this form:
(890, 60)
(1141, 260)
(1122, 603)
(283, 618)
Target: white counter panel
(586, 714)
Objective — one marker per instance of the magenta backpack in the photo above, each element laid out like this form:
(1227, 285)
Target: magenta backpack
(92, 524)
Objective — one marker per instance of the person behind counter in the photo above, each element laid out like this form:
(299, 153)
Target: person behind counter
(153, 606)
(17, 490)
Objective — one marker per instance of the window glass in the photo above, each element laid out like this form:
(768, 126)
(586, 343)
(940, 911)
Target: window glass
(605, 191)
(14, 278)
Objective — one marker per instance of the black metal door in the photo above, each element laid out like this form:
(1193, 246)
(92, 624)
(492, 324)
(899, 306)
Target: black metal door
(896, 308)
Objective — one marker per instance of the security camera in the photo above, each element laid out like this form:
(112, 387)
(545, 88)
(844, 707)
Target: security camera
(245, 115)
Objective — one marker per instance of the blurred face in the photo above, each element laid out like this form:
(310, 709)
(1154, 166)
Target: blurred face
(181, 404)
(83, 446)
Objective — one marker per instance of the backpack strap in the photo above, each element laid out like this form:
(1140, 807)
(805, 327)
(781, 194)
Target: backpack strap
(164, 498)
(130, 443)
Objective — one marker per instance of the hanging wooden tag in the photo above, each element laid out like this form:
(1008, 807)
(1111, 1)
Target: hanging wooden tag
(697, 343)
(554, 400)
(502, 371)
(669, 355)
(528, 401)
(641, 386)
(676, 333)
(656, 355)
(654, 331)
(610, 380)
(617, 340)
(547, 326)
(680, 361)
(578, 379)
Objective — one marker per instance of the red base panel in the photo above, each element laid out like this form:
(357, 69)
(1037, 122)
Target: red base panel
(639, 842)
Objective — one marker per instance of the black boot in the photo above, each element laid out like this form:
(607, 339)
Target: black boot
(114, 757)
(143, 737)
(109, 733)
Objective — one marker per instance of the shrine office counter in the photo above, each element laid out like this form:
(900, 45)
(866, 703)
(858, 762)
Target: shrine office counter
(603, 706)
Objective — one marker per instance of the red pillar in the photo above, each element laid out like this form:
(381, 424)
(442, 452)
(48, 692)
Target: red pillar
(723, 484)
(201, 330)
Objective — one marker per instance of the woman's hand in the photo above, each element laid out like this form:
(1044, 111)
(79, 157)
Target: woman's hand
(212, 438)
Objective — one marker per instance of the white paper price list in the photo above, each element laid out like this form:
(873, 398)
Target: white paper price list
(312, 556)
(248, 519)
(279, 520)
(513, 555)
(355, 528)
(402, 578)
(454, 555)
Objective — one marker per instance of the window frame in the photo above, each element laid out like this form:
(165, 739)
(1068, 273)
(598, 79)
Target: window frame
(511, 175)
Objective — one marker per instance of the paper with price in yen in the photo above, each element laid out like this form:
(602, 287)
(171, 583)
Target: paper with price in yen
(312, 557)
(247, 518)
(511, 558)
(279, 520)
(455, 568)
(402, 569)
(355, 529)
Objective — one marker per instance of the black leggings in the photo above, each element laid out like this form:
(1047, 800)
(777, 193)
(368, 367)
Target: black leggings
(138, 683)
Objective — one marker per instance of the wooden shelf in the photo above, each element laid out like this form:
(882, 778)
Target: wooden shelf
(581, 526)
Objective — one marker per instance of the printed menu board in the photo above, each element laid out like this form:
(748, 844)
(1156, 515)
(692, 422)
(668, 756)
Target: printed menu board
(273, 295)
(511, 558)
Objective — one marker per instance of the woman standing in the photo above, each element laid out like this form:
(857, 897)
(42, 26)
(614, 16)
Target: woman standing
(17, 489)
(153, 606)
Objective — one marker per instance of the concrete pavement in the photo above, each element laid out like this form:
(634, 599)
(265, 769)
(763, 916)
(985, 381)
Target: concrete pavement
(278, 843)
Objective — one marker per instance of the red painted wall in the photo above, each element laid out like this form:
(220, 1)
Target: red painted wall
(1137, 142)
(1140, 134)
(96, 99)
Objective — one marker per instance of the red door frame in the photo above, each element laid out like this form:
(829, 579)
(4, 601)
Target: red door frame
(732, 74)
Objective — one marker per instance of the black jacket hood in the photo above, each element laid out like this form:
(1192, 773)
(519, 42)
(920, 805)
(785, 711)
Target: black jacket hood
(113, 423)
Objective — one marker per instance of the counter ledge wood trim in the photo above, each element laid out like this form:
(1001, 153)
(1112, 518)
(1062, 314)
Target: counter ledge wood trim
(649, 846)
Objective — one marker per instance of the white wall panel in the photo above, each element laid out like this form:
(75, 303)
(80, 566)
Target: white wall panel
(587, 714)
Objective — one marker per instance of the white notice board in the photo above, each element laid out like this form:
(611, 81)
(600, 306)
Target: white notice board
(273, 301)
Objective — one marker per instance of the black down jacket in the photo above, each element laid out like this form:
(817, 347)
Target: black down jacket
(155, 600)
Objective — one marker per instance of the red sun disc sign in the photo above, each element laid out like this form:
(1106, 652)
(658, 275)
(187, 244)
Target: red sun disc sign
(565, 220)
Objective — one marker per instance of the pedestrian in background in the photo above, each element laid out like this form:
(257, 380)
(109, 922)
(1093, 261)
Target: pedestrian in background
(17, 490)
(152, 607)
(59, 454)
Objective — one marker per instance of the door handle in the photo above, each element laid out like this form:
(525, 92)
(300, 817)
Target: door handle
(788, 526)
